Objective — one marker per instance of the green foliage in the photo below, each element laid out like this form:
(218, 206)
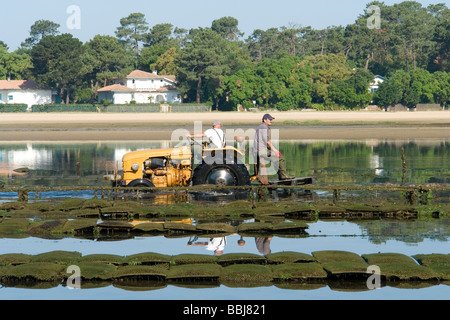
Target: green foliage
(298, 271)
(132, 30)
(106, 102)
(353, 92)
(149, 56)
(13, 64)
(13, 108)
(414, 87)
(166, 62)
(217, 66)
(148, 258)
(159, 34)
(104, 59)
(227, 27)
(64, 108)
(284, 83)
(57, 62)
(441, 38)
(83, 95)
(441, 87)
(39, 30)
(103, 258)
(207, 271)
(203, 62)
(245, 273)
(325, 70)
(14, 258)
(128, 108)
(58, 257)
(388, 93)
(293, 83)
(189, 258)
(288, 257)
(42, 271)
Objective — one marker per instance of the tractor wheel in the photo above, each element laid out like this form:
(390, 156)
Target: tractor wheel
(141, 183)
(221, 174)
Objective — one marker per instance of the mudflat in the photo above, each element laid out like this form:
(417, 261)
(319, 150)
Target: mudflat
(292, 125)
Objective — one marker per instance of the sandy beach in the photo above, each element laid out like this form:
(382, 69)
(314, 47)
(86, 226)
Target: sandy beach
(159, 126)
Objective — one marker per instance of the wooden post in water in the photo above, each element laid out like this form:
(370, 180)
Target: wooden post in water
(425, 196)
(251, 197)
(78, 164)
(336, 195)
(23, 195)
(403, 166)
(411, 196)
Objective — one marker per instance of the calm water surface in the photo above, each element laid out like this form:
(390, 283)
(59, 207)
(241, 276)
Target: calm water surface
(343, 162)
(331, 162)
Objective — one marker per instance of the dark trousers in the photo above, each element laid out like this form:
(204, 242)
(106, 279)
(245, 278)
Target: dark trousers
(261, 171)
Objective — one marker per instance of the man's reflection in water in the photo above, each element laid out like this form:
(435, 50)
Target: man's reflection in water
(213, 244)
(217, 245)
(263, 245)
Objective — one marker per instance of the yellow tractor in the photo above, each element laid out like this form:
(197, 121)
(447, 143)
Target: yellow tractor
(175, 167)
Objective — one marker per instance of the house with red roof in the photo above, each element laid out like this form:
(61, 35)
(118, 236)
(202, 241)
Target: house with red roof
(24, 92)
(142, 87)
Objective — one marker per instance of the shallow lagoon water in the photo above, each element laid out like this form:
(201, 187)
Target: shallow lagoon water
(351, 162)
(334, 235)
(438, 292)
(332, 162)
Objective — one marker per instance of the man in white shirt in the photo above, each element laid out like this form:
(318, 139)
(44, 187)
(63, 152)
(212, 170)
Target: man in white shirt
(217, 245)
(214, 134)
(214, 244)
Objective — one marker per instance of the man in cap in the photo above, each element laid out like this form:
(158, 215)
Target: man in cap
(214, 134)
(263, 150)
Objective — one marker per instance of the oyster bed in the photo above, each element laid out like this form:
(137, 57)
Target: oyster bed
(233, 269)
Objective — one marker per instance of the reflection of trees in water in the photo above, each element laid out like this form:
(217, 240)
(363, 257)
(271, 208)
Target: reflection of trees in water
(380, 231)
(77, 163)
(339, 162)
(353, 162)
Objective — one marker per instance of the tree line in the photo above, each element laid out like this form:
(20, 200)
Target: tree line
(285, 68)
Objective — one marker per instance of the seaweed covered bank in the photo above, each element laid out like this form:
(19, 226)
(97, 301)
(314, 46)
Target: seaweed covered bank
(233, 269)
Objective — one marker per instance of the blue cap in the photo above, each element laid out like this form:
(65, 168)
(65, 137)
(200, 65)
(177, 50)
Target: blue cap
(267, 116)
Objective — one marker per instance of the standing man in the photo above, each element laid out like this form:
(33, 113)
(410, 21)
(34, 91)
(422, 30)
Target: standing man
(214, 134)
(262, 152)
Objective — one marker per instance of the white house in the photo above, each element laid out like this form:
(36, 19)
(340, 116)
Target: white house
(23, 91)
(377, 80)
(142, 87)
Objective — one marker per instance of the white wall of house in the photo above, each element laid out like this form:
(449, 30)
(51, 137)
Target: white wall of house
(122, 97)
(377, 80)
(173, 96)
(141, 97)
(143, 89)
(28, 96)
(115, 97)
(145, 84)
